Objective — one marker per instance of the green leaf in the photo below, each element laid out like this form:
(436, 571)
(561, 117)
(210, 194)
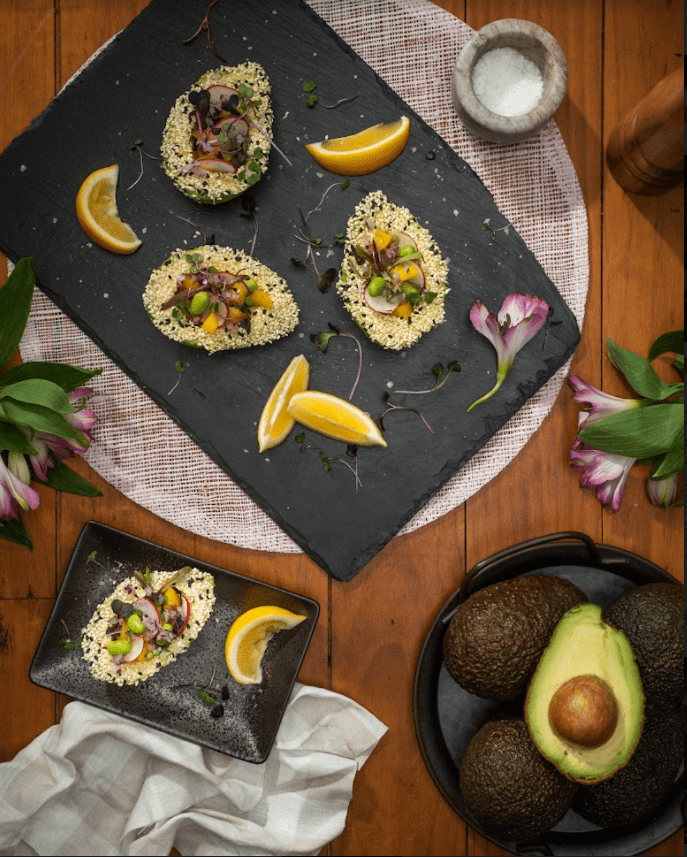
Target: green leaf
(309, 85)
(679, 363)
(63, 478)
(68, 377)
(13, 440)
(40, 419)
(15, 304)
(674, 341)
(638, 433)
(35, 391)
(640, 373)
(15, 531)
(672, 462)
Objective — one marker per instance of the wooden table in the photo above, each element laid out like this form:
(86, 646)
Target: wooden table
(371, 629)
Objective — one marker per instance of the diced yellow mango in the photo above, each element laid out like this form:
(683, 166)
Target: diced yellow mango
(261, 298)
(211, 323)
(403, 310)
(381, 238)
(406, 272)
(172, 596)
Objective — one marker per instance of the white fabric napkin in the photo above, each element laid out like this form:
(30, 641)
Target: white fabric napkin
(98, 783)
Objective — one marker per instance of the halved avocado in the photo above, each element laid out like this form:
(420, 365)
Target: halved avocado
(585, 702)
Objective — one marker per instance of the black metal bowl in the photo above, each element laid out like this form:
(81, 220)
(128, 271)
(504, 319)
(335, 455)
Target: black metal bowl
(447, 716)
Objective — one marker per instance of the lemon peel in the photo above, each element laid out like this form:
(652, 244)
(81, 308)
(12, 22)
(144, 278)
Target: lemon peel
(96, 211)
(248, 638)
(364, 152)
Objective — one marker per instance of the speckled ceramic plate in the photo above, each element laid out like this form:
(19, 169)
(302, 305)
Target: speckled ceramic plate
(102, 558)
(447, 716)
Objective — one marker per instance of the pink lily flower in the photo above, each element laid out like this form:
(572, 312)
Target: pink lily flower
(663, 492)
(603, 404)
(519, 319)
(48, 445)
(604, 471)
(14, 488)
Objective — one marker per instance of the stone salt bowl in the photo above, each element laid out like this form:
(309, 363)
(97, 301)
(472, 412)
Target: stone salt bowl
(536, 45)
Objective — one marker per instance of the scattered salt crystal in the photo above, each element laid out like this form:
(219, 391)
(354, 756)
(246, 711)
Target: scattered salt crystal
(507, 82)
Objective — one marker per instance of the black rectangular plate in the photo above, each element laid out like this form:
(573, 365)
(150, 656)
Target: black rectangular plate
(102, 558)
(124, 95)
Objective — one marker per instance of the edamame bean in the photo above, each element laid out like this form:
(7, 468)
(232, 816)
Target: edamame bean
(167, 627)
(251, 285)
(376, 287)
(119, 647)
(199, 303)
(135, 624)
(407, 250)
(410, 291)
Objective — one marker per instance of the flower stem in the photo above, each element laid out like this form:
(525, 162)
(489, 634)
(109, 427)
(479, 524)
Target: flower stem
(488, 395)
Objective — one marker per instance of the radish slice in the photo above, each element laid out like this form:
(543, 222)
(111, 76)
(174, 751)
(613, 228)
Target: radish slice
(219, 93)
(215, 165)
(380, 303)
(232, 125)
(150, 615)
(137, 644)
(404, 240)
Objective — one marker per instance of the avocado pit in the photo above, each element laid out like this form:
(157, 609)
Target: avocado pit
(584, 711)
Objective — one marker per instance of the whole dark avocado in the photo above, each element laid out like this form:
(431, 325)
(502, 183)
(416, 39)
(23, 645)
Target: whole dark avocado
(638, 790)
(508, 786)
(652, 617)
(496, 637)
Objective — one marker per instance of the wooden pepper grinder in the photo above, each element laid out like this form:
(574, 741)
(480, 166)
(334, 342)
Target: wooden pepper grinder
(645, 152)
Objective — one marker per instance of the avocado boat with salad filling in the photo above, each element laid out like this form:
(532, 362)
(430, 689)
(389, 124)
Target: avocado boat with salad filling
(217, 138)
(393, 278)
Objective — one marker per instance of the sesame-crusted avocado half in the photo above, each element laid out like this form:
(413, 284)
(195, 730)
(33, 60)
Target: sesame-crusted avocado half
(393, 278)
(219, 299)
(216, 141)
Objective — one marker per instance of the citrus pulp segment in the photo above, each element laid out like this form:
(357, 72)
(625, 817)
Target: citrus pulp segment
(275, 422)
(364, 152)
(248, 638)
(335, 417)
(96, 211)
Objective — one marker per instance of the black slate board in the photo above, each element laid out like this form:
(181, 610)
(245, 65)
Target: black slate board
(102, 558)
(124, 95)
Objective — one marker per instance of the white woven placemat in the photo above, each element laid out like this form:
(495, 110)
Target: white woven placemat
(412, 45)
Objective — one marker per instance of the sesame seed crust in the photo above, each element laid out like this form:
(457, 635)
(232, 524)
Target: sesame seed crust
(266, 325)
(197, 586)
(391, 332)
(177, 147)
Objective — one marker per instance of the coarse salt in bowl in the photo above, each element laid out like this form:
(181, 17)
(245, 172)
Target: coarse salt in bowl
(509, 80)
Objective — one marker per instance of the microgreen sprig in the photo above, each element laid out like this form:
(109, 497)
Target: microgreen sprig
(179, 366)
(205, 25)
(324, 278)
(392, 407)
(441, 379)
(485, 225)
(351, 450)
(137, 148)
(321, 341)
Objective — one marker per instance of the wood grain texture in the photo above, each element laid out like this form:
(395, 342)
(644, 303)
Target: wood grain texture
(371, 629)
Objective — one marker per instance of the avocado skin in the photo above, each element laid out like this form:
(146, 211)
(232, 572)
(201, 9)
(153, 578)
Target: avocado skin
(652, 618)
(638, 789)
(496, 637)
(511, 790)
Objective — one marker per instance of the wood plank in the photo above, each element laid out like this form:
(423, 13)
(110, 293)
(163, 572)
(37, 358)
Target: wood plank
(538, 494)
(643, 295)
(27, 710)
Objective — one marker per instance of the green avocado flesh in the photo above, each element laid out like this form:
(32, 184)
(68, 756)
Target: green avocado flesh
(587, 682)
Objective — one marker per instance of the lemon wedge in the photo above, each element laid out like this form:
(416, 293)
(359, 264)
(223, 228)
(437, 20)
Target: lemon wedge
(248, 638)
(96, 210)
(335, 418)
(275, 423)
(365, 152)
